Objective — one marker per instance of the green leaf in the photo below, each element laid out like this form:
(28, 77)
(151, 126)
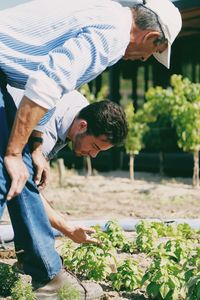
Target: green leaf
(164, 290)
(153, 289)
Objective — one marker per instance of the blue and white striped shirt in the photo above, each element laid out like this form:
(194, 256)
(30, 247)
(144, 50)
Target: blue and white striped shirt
(52, 47)
(56, 129)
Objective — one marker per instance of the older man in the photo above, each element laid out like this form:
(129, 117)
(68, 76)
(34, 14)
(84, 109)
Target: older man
(50, 48)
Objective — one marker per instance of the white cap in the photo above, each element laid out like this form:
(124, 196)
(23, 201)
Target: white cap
(170, 20)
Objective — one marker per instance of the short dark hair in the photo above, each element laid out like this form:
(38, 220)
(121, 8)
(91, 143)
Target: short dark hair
(145, 19)
(105, 118)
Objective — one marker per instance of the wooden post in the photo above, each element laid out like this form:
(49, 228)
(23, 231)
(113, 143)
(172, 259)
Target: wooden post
(131, 167)
(196, 169)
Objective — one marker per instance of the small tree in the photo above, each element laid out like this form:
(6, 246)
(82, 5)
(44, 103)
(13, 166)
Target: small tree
(186, 118)
(158, 100)
(180, 104)
(134, 140)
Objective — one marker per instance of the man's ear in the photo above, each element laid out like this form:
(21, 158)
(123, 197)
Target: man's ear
(82, 126)
(151, 36)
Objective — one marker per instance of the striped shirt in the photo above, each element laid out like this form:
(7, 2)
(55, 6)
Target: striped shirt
(50, 47)
(56, 129)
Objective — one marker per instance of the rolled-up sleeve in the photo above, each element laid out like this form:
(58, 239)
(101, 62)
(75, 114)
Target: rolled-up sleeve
(77, 61)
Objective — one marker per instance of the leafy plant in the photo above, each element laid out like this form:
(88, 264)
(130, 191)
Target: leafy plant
(22, 291)
(193, 287)
(91, 261)
(128, 276)
(8, 278)
(192, 266)
(147, 237)
(103, 238)
(129, 247)
(179, 249)
(115, 234)
(134, 141)
(165, 280)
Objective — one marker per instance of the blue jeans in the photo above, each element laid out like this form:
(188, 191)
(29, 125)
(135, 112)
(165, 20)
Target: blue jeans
(33, 236)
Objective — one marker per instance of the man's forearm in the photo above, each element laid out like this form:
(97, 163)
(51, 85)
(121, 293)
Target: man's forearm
(78, 234)
(28, 115)
(35, 140)
(57, 221)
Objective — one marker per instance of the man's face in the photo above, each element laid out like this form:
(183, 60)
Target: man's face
(143, 47)
(89, 145)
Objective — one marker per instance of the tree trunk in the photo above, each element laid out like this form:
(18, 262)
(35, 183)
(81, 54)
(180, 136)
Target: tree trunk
(161, 168)
(88, 166)
(61, 171)
(195, 181)
(121, 159)
(131, 166)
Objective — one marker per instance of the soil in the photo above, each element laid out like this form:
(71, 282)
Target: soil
(113, 195)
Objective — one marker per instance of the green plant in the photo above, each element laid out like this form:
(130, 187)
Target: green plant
(192, 266)
(160, 227)
(22, 291)
(137, 129)
(193, 287)
(8, 278)
(67, 253)
(147, 237)
(165, 280)
(115, 234)
(178, 249)
(128, 276)
(91, 261)
(187, 122)
(103, 238)
(129, 247)
(178, 108)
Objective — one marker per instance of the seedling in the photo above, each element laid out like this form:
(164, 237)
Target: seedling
(128, 276)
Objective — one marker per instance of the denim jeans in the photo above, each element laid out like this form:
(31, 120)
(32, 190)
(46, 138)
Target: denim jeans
(33, 236)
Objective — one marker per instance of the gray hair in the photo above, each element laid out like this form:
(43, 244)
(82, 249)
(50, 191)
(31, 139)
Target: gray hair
(147, 19)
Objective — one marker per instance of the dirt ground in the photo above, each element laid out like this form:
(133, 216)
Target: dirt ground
(114, 195)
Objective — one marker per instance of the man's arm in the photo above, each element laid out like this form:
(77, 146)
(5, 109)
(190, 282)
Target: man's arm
(40, 162)
(79, 234)
(28, 115)
(60, 74)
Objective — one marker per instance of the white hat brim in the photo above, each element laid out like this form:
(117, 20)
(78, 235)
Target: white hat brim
(164, 57)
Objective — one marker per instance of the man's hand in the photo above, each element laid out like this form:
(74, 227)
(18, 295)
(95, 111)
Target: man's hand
(28, 115)
(18, 173)
(81, 234)
(41, 168)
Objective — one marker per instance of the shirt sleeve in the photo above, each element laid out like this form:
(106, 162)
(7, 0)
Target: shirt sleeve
(44, 120)
(76, 62)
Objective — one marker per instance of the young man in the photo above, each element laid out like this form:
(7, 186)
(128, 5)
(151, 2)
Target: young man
(50, 48)
(76, 120)
(91, 128)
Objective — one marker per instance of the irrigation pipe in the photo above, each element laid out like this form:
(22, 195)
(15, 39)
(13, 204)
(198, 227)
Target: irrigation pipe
(129, 224)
